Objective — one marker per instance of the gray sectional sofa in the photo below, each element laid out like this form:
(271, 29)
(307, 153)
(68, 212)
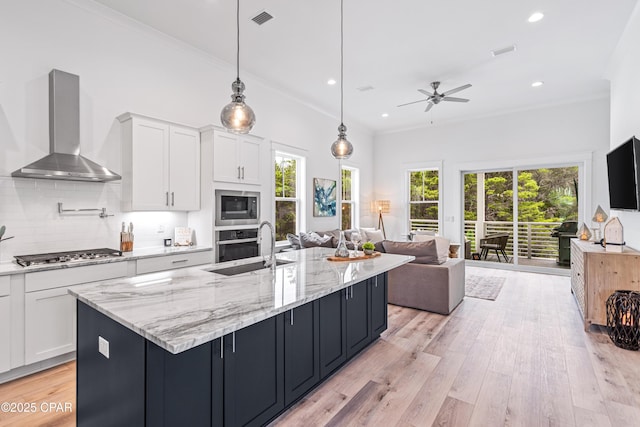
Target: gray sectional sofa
(425, 283)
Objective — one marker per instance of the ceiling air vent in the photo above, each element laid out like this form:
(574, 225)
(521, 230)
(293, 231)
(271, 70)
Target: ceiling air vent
(503, 50)
(262, 17)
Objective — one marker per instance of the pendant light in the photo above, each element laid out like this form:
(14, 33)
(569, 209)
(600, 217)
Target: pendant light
(342, 148)
(237, 116)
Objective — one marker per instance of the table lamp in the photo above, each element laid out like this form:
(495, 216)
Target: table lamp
(600, 216)
(381, 206)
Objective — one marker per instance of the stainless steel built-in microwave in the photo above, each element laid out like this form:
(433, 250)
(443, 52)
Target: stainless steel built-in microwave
(237, 207)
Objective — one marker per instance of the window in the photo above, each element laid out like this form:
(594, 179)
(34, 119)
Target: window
(287, 194)
(349, 198)
(424, 199)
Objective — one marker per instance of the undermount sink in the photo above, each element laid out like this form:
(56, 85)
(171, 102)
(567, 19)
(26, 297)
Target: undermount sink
(245, 268)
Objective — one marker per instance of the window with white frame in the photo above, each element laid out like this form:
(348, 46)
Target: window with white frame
(424, 199)
(288, 206)
(349, 197)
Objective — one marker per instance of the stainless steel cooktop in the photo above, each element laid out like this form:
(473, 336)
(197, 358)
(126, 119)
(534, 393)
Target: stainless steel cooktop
(69, 256)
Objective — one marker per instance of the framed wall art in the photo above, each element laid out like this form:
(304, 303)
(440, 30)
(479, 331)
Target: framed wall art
(324, 197)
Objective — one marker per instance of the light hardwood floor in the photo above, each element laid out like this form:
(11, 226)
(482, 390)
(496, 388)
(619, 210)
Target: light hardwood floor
(522, 360)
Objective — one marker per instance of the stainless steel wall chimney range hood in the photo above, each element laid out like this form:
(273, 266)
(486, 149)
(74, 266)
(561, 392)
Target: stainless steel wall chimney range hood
(65, 161)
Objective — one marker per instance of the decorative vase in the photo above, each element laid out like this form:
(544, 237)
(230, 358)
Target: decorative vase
(341, 250)
(368, 251)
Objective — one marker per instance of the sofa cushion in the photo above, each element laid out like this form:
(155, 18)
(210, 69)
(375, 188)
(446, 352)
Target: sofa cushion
(333, 233)
(425, 252)
(294, 240)
(442, 245)
(311, 239)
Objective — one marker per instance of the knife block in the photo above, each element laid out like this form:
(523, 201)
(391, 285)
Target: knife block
(126, 242)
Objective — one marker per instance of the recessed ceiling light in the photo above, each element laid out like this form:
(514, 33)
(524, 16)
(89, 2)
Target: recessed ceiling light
(537, 84)
(536, 16)
(331, 82)
(385, 115)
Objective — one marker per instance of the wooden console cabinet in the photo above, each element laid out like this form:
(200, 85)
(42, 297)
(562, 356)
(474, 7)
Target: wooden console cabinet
(596, 274)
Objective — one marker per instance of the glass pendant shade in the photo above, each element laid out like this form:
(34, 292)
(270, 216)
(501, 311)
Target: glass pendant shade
(584, 233)
(341, 148)
(237, 116)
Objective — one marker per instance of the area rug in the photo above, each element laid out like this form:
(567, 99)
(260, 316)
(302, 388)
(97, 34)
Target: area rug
(485, 287)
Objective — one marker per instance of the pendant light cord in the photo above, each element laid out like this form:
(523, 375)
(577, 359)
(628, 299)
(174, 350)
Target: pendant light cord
(341, 61)
(238, 40)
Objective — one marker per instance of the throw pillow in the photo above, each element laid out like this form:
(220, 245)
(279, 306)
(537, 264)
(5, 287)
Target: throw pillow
(374, 236)
(311, 239)
(294, 240)
(442, 245)
(363, 233)
(425, 252)
(335, 236)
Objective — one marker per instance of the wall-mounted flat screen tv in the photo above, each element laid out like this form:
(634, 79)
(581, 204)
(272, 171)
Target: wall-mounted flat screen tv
(624, 175)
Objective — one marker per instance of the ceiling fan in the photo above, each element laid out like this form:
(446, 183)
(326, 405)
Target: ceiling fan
(435, 97)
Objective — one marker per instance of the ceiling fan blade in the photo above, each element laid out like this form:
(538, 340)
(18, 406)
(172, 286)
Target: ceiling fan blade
(428, 107)
(458, 89)
(451, 98)
(425, 92)
(409, 103)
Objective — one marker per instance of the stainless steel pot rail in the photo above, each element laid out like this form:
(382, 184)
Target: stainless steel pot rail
(102, 214)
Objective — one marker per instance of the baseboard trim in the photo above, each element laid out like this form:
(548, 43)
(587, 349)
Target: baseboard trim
(23, 371)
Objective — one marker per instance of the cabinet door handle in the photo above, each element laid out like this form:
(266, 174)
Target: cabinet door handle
(233, 343)
(221, 347)
(238, 172)
(243, 172)
(167, 201)
(178, 261)
(173, 198)
(291, 317)
(376, 282)
(351, 290)
(346, 294)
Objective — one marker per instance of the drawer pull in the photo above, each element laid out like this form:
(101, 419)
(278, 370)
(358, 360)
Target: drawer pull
(179, 261)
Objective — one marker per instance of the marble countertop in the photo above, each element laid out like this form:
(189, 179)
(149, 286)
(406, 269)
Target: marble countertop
(7, 268)
(181, 309)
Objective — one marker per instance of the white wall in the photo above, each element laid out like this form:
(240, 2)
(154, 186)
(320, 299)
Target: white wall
(124, 66)
(527, 138)
(625, 107)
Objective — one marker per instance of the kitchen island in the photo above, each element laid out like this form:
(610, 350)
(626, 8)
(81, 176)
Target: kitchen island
(195, 347)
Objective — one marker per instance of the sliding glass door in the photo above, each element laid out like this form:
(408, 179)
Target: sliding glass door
(515, 222)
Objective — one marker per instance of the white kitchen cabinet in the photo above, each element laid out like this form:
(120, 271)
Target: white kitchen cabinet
(160, 165)
(236, 158)
(50, 312)
(5, 324)
(50, 324)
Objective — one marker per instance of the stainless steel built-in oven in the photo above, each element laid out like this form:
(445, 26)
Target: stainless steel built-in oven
(236, 244)
(237, 207)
